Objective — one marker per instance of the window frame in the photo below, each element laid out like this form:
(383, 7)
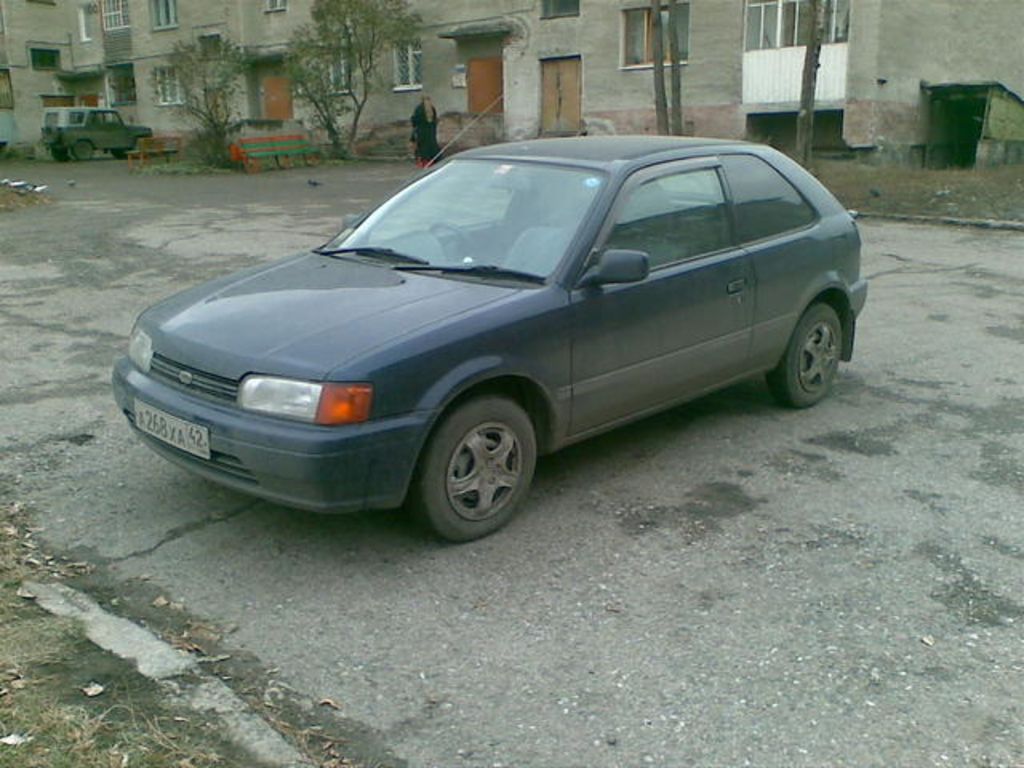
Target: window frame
(275, 6)
(168, 6)
(114, 15)
(413, 55)
(86, 10)
(548, 11)
(648, 62)
(833, 12)
(165, 76)
(34, 54)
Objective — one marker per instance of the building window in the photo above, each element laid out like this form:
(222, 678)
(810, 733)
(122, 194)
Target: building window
(277, 5)
(786, 23)
(552, 8)
(210, 45)
(45, 58)
(168, 87)
(115, 14)
(86, 22)
(6, 92)
(341, 80)
(165, 13)
(409, 66)
(637, 27)
(122, 85)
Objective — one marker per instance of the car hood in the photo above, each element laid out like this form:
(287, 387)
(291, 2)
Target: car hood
(305, 316)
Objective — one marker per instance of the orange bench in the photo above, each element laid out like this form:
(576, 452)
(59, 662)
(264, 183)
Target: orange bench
(166, 148)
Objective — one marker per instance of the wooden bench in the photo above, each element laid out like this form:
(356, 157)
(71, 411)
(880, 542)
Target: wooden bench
(165, 148)
(252, 150)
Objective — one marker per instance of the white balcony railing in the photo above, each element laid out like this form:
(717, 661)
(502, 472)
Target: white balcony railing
(773, 76)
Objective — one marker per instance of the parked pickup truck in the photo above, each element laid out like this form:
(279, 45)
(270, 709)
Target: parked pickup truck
(78, 132)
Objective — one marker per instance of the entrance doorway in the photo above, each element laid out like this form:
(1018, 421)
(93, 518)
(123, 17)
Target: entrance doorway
(486, 86)
(561, 97)
(277, 98)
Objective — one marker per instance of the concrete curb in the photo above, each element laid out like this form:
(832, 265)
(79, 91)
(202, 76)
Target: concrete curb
(174, 670)
(951, 221)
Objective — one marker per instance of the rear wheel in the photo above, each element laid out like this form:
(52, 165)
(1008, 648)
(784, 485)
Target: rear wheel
(82, 150)
(476, 469)
(805, 373)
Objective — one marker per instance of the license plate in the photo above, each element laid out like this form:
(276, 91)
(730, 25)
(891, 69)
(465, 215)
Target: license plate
(172, 430)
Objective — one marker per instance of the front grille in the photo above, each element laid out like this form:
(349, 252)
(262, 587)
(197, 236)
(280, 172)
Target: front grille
(196, 381)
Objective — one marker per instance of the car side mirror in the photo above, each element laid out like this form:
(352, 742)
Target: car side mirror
(617, 266)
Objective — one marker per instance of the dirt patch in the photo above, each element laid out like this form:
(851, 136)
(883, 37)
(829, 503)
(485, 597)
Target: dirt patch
(12, 201)
(989, 193)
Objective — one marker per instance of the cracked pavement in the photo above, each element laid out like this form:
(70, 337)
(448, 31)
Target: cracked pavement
(727, 583)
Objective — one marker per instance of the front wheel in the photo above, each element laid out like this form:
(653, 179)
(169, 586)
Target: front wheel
(476, 469)
(806, 371)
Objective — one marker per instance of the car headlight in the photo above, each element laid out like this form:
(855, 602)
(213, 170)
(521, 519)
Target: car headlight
(327, 403)
(140, 350)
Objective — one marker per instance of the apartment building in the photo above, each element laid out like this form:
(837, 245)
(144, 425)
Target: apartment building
(924, 81)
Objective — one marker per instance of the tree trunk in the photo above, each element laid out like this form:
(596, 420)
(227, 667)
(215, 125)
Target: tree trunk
(658, 59)
(676, 110)
(812, 59)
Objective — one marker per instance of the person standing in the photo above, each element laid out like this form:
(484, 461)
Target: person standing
(424, 133)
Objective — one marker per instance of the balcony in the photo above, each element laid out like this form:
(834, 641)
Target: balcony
(773, 75)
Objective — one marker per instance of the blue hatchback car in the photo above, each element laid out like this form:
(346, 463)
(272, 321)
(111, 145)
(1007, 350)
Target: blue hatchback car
(514, 300)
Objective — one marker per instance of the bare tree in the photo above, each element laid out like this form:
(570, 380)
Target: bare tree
(676, 76)
(658, 59)
(205, 79)
(318, 79)
(349, 42)
(809, 83)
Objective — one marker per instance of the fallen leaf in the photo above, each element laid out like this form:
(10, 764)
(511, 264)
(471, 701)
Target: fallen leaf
(15, 740)
(928, 640)
(160, 602)
(25, 593)
(93, 689)
(330, 703)
(214, 659)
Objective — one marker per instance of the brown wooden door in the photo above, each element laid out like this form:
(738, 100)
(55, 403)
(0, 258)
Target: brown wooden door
(560, 104)
(486, 86)
(277, 98)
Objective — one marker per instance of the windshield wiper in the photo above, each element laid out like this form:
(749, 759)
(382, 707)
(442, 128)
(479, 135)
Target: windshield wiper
(485, 270)
(371, 250)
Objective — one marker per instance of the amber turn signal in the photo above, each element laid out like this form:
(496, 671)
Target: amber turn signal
(344, 404)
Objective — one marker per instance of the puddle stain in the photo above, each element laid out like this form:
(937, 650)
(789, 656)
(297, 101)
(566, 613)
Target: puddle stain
(999, 468)
(1003, 548)
(707, 505)
(932, 501)
(817, 466)
(864, 442)
(965, 595)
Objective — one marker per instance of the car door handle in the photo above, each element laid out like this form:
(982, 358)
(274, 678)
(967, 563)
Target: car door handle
(736, 286)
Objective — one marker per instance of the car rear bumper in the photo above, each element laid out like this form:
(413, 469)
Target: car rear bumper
(323, 469)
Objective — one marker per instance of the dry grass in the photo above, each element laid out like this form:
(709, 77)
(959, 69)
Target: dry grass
(45, 662)
(12, 201)
(991, 193)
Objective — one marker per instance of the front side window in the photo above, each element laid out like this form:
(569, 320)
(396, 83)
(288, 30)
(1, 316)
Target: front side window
(45, 58)
(637, 29)
(552, 8)
(167, 85)
(673, 218)
(766, 203)
(115, 14)
(165, 13)
(408, 66)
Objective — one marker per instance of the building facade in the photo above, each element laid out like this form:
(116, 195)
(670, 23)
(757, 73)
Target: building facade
(928, 81)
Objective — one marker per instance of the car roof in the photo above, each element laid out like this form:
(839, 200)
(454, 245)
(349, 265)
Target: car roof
(604, 150)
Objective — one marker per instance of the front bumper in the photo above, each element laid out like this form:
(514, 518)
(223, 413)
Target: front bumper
(323, 469)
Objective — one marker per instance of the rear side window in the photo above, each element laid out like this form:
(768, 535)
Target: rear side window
(76, 118)
(766, 204)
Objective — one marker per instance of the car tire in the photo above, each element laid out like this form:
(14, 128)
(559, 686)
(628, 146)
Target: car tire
(475, 470)
(60, 154)
(82, 150)
(806, 371)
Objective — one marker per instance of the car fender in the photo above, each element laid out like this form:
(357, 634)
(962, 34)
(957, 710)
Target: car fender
(831, 282)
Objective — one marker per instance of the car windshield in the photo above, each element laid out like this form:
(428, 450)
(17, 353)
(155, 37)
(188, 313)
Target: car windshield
(475, 214)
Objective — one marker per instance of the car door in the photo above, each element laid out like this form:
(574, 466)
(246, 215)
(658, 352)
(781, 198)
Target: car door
(682, 330)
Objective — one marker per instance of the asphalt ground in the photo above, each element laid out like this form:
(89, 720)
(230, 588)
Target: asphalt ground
(727, 583)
